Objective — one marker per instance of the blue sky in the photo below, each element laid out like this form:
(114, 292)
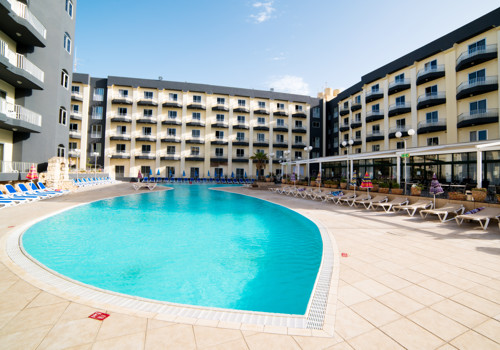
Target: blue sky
(293, 46)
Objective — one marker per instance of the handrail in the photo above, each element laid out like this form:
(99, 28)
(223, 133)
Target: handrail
(485, 113)
(21, 113)
(431, 96)
(22, 11)
(425, 123)
(477, 82)
(21, 62)
(430, 69)
(477, 51)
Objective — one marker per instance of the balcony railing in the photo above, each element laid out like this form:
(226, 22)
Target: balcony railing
(7, 166)
(118, 96)
(431, 96)
(430, 69)
(299, 143)
(170, 138)
(375, 92)
(283, 143)
(22, 11)
(145, 155)
(243, 125)
(21, 62)
(170, 155)
(300, 128)
(21, 113)
(479, 117)
(261, 141)
(75, 134)
(399, 82)
(375, 134)
(280, 126)
(471, 83)
(431, 126)
(220, 139)
(241, 139)
(121, 135)
(470, 54)
(77, 95)
(119, 154)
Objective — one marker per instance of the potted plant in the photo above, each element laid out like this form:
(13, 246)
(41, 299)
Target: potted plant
(334, 184)
(343, 183)
(327, 183)
(383, 187)
(479, 194)
(375, 185)
(457, 196)
(498, 197)
(416, 189)
(396, 189)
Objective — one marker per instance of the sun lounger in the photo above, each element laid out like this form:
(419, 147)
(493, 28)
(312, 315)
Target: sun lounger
(482, 216)
(13, 193)
(443, 212)
(387, 206)
(35, 189)
(26, 190)
(352, 201)
(367, 203)
(319, 194)
(344, 198)
(332, 196)
(411, 209)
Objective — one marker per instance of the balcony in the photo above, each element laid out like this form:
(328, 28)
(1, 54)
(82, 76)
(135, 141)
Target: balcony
(431, 99)
(219, 141)
(393, 131)
(195, 139)
(120, 118)
(299, 114)
(399, 85)
(281, 127)
(430, 73)
(344, 127)
(120, 155)
(144, 155)
(142, 119)
(171, 121)
(299, 144)
(145, 138)
(18, 118)
(240, 125)
(241, 109)
(196, 105)
(478, 86)
(220, 107)
(240, 159)
(218, 158)
(261, 126)
(170, 138)
(171, 103)
(119, 136)
(356, 124)
(74, 134)
(118, 98)
(280, 112)
(147, 102)
(170, 156)
(195, 122)
(19, 71)
(355, 106)
(357, 141)
(280, 144)
(75, 115)
(261, 142)
(261, 110)
(399, 108)
(220, 124)
(194, 158)
(470, 58)
(425, 127)
(481, 117)
(299, 129)
(343, 110)
(375, 136)
(24, 26)
(76, 96)
(373, 95)
(374, 115)
(241, 141)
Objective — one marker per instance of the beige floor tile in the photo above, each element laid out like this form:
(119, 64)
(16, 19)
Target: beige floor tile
(27, 339)
(446, 347)
(474, 341)
(12, 301)
(340, 346)
(495, 284)
(6, 317)
(81, 347)
(153, 324)
(45, 298)
(314, 343)
(459, 313)
(439, 325)
(439, 287)
(349, 324)
(375, 340)
(400, 303)
(23, 287)
(490, 329)
(177, 336)
(393, 281)
(375, 312)
(117, 325)
(422, 295)
(488, 293)
(76, 311)
(125, 342)
(35, 317)
(372, 288)
(411, 276)
(72, 333)
(477, 303)
(349, 295)
(239, 344)
(411, 336)
(457, 281)
(264, 341)
(351, 276)
(209, 336)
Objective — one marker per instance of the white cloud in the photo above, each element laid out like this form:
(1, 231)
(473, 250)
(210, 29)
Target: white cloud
(290, 84)
(266, 9)
(280, 57)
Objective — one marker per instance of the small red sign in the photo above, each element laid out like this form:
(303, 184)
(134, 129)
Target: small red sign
(100, 316)
(11, 226)
(344, 255)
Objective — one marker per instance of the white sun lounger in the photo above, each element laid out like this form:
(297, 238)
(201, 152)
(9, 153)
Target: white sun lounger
(483, 217)
(369, 202)
(411, 209)
(443, 212)
(387, 206)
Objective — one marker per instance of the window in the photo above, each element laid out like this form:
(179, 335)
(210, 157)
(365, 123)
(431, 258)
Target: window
(261, 121)
(121, 148)
(280, 122)
(431, 117)
(221, 100)
(400, 101)
(219, 135)
(146, 148)
(75, 109)
(298, 155)
(145, 169)
(376, 129)
(298, 123)
(477, 77)
(298, 108)
(99, 94)
(97, 112)
(280, 138)
(400, 78)
(477, 107)
(242, 103)
(197, 99)
(477, 46)
(316, 125)
(170, 171)
(61, 151)
(357, 99)
(298, 139)
(64, 79)
(357, 135)
(219, 152)
(400, 145)
(261, 104)
(73, 127)
(195, 151)
(72, 146)
(480, 135)
(172, 114)
(401, 124)
(171, 132)
(375, 148)
(220, 118)
(172, 97)
(75, 89)
(123, 93)
(432, 65)
(432, 141)
(240, 136)
(148, 95)
(195, 172)
(280, 106)
(195, 133)
(148, 113)
(69, 8)
(346, 104)
(146, 130)
(96, 131)
(260, 151)
(431, 90)
(316, 112)
(260, 137)
(122, 111)
(375, 88)
(218, 172)
(376, 108)
(279, 154)
(240, 173)
(241, 119)
(358, 150)
(170, 150)
(96, 148)
(196, 116)
(62, 116)
(119, 170)
(121, 130)
(317, 142)
(357, 118)
(346, 137)
(67, 42)
(346, 121)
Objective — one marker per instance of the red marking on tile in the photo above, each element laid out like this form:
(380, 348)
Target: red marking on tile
(11, 226)
(100, 316)
(344, 255)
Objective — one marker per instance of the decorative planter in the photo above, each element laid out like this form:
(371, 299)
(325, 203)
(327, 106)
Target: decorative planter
(457, 196)
(343, 185)
(498, 198)
(383, 189)
(415, 191)
(479, 196)
(397, 191)
(334, 186)
(375, 188)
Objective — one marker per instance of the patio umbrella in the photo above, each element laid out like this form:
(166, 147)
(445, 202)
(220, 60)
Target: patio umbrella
(139, 175)
(245, 174)
(232, 175)
(292, 178)
(195, 174)
(183, 173)
(32, 174)
(169, 173)
(353, 182)
(158, 172)
(367, 183)
(318, 179)
(150, 172)
(435, 188)
(208, 173)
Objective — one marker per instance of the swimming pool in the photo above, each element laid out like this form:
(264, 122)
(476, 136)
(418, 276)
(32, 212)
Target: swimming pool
(190, 246)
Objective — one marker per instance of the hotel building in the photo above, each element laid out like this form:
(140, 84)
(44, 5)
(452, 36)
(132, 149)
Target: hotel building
(128, 125)
(438, 105)
(36, 56)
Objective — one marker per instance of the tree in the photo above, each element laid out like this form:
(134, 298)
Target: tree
(261, 159)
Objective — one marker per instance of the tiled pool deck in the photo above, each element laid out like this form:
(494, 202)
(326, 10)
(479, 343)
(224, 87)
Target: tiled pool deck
(406, 283)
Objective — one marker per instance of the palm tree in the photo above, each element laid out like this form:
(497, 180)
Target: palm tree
(261, 159)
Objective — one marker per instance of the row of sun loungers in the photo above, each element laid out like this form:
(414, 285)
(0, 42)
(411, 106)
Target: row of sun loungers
(92, 181)
(26, 193)
(448, 212)
(198, 180)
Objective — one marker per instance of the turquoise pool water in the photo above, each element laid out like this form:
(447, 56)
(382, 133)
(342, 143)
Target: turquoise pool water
(191, 246)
